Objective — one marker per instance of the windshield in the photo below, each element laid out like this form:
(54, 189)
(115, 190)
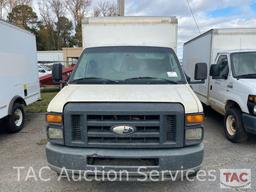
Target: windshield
(120, 65)
(244, 64)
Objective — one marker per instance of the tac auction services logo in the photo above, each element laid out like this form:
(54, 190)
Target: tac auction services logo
(235, 178)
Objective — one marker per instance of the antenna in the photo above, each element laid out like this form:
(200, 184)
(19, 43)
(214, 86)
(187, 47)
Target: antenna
(121, 7)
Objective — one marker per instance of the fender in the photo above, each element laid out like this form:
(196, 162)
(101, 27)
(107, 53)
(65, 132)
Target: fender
(237, 101)
(14, 100)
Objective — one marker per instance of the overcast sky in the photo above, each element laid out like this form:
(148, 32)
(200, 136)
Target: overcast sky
(208, 13)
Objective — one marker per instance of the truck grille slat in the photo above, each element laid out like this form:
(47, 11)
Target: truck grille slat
(134, 123)
(112, 135)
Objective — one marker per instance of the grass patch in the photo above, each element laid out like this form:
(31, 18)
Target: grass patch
(42, 142)
(41, 106)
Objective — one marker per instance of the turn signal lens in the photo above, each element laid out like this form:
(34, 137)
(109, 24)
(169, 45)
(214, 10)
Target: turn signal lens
(252, 99)
(50, 118)
(195, 118)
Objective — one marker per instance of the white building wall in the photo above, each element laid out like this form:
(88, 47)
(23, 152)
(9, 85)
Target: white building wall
(50, 56)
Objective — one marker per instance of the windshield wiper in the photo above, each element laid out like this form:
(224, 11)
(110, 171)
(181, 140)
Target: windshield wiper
(150, 80)
(253, 75)
(92, 80)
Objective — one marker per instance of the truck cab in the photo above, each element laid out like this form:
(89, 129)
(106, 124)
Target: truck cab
(127, 104)
(231, 58)
(233, 93)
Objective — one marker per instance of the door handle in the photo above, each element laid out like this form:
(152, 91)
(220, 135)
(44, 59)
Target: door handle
(230, 86)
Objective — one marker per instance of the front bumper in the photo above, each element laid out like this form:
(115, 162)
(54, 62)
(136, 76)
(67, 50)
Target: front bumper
(75, 159)
(249, 123)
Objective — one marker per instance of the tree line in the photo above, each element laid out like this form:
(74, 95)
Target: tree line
(58, 23)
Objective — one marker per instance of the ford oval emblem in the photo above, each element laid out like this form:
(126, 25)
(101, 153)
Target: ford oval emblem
(123, 129)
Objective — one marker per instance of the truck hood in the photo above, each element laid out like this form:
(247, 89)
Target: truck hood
(127, 93)
(249, 84)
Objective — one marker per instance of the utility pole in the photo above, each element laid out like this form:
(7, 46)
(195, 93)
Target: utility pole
(121, 7)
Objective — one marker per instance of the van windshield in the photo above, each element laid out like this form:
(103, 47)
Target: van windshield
(244, 64)
(128, 65)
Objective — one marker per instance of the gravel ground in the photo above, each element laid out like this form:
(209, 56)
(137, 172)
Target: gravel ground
(27, 149)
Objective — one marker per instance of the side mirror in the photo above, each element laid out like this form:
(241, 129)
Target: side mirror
(57, 73)
(201, 71)
(214, 71)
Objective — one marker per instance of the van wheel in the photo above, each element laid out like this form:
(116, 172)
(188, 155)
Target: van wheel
(234, 129)
(15, 121)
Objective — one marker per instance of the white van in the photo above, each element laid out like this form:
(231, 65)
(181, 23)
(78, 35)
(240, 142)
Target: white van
(19, 82)
(127, 104)
(231, 90)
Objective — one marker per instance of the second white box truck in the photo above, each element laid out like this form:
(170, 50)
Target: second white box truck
(19, 82)
(231, 90)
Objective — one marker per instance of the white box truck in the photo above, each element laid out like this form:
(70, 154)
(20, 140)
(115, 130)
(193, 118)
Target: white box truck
(127, 104)
(19, 83)
(231, 57)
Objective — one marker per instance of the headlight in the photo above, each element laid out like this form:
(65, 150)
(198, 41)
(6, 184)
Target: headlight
(55, 133)
(194, 129)
(194, 134)
(55, 128)
(252, 98)
(254, 110)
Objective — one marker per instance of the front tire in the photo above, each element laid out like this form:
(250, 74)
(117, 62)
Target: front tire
(234, 129)
(15, 121)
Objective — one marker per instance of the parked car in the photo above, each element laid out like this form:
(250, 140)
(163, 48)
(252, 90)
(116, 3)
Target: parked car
(19, 82)
(231, 90)
(127, 103)
(43, 70)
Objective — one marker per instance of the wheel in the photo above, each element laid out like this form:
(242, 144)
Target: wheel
(15, 121)
(234, 129)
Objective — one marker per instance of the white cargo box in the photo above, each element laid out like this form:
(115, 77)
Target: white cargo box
(204, 49)
(19, 70)
(130, 31)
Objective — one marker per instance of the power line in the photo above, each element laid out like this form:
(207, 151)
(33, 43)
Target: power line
(192, 13)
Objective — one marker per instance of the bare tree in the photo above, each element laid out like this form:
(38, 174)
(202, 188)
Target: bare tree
(13, 3)
(58, 9)
(78, 9)
(45, 13)
(44, 10)
(105, 8)
(3, 4)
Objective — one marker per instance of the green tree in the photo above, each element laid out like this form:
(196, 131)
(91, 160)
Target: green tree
(24, 17)
(44, 37)
(78, 34)
(64, 31)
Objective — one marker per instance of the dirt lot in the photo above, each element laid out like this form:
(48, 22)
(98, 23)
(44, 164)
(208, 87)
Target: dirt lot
(27, 149)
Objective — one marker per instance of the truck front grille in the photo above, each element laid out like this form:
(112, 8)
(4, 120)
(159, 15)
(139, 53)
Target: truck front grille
(94, 129)
(147, 129)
